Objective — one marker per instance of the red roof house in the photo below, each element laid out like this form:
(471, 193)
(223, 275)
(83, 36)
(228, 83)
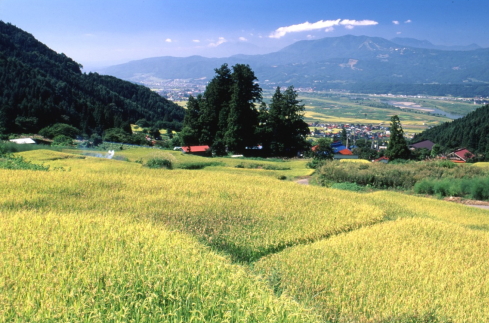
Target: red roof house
(345, 152)
(382, 159)
(195, 149)
(460, 155)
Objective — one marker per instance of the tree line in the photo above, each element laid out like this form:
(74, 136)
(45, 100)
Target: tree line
(231, 116)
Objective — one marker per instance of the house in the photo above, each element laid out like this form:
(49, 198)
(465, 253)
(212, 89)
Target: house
(382, 159)
(23, 141)
(426, 144)
(460, 155)
(198, 150)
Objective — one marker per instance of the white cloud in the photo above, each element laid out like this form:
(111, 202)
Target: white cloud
(310, 37)
(407, 21)
(326, 24)
(395, 22)
(242, 39)
(358, 23)
(329, 29)
(219, 42)
(398, 33)
(168, 40)
(196, 41)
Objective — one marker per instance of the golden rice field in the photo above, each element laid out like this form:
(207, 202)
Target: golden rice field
(98, 240)
(482, 164)
(91, 267)
(409, 270)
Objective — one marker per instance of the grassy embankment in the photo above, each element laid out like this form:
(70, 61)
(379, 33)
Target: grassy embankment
(108, 240)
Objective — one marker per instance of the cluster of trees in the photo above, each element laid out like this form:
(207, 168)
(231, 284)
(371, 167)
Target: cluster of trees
(39, 87)
(471, 132)
(226, 116)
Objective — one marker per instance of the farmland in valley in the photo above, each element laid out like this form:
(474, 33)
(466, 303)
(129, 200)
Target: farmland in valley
(102, 240)
(346, 108)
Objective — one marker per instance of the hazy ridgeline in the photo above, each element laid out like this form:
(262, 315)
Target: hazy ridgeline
(108, 240)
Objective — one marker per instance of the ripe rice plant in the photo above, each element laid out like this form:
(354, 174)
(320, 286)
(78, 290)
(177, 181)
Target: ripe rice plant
(110, 268)
(409, 270)
(245, 216)
(129, 241)
(397, 205)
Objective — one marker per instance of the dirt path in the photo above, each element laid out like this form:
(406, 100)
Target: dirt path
(486, 207)
(303, 181)
(473, 203)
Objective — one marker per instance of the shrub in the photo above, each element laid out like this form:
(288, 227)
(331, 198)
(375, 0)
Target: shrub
(402, 176)
(158, 162)
(9, 161)
(480, 189)
(442, 188)
(199, 165)
(59, 129)
(116, 135)
(62, 140)
(424, 186)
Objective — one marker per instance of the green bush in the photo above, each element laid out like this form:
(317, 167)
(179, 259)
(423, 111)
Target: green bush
(9, 161)
(442, 188)
(199, 165)
(62, 140)
(480, 189)
(402, 176)
(261, 166)
(424, 186)
(158, 162)
(59, 129)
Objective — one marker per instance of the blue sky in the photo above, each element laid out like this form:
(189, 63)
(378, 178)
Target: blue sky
(98, 33)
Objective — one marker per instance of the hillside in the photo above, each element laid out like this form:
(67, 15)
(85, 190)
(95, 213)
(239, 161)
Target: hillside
(39, 87)
(356, 63)
(471, 131)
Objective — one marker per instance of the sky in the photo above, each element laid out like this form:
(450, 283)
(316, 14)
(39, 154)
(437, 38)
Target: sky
(100, 33)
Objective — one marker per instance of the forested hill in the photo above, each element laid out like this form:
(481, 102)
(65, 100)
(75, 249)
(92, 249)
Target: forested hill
(471, 131)
(39, 87)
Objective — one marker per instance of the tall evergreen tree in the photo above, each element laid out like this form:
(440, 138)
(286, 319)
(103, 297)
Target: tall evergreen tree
(243, 115)
(192, 127)
(288, 130)
(397, 147)
(215, 107)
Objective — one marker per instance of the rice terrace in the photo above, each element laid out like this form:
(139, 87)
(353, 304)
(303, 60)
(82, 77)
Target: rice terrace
(247, 161)
(106, 240)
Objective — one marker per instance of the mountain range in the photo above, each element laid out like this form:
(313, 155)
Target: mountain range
(348, 62)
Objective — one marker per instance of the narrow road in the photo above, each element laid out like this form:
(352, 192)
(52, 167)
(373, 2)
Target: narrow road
(303, 181)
